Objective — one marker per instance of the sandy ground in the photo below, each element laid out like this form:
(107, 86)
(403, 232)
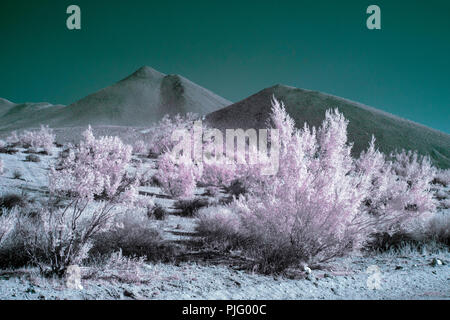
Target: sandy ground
(399, 278)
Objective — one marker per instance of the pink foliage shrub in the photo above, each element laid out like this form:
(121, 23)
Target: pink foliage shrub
(37, 139)
(216, 173)
(177, 178)
(322, 203)
(140, 147)
(96, 169)
(160, 135)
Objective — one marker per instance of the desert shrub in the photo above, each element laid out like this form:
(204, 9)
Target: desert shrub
(140, 147)
(177, 177)
(38, 139)
(160, 136)
(442, 177)
(15, 251)
(189, 207)
(118, 267)
(7, 221)
(438, 228)
(8, 150)
(155, 181)
(11, 200)
(236, 188)
(13, 138)
(32, 158)
(219, 224)
(322, 203)
(444, 204)
(157, 212)
(17, 174)
(218, 174)
(134, 236)
(96, 168)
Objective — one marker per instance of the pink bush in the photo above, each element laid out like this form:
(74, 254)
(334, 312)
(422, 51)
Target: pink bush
(37, 139)
(177, 178)
(160, 135)
(96, 169)
(323, 203)
(218, 174)
(140, 147)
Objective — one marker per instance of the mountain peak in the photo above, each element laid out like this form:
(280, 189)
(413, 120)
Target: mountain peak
(147, 72)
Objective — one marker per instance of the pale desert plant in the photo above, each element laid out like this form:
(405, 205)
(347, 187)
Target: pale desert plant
(7, 222)
(43, 138)
(160, 135)
(96, 169)
(140, 147)
(178, 178)
(322, 203)
(219, 222)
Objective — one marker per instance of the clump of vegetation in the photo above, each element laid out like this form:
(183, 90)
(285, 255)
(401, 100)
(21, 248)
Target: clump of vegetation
(8, 150)
(442, 177)
(17, 174)
(32, 158)
(322, 203)
(95, 168)
(189, 207)
(157, 212)
(11, 200)
(42, 139)
(134, 237)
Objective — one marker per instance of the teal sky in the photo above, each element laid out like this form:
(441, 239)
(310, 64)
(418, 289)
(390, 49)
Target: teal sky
(234, 48)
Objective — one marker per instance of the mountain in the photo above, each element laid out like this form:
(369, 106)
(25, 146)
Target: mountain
(140, 99)
(391, 132)
(15, 116)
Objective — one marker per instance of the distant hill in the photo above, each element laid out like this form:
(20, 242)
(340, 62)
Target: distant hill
(15, 116)
(140, 99)
(391, 132)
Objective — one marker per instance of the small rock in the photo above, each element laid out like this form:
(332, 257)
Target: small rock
(436, 262)
(398, 268)
(326, 275)
(307, 269)
(129, 294)
(30, 290)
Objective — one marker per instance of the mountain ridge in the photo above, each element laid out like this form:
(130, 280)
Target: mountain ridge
(391, 132)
